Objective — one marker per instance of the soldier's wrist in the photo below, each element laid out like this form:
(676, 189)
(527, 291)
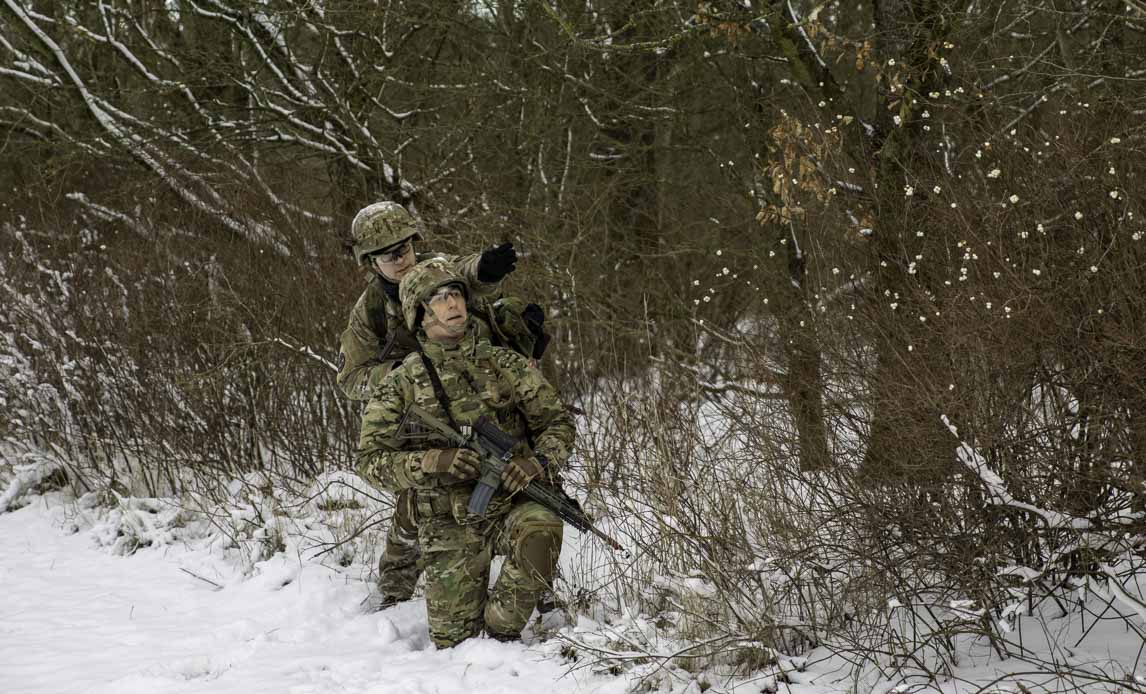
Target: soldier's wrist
(428, 460)
(549, 460)
(553, 468)
(408, 473)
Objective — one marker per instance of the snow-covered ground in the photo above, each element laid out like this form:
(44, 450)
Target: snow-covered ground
(75, 618)
(181, 616)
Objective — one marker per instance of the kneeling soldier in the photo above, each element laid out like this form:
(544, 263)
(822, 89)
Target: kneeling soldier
(459, 377)
(376, 340)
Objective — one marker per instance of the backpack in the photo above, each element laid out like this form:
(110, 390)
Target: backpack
(518, 326)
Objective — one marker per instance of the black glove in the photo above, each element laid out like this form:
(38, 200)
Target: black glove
(496, 263)
(533, 316)
(539, 346)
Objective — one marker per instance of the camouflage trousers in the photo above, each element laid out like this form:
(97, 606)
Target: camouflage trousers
(399, 567)
(457, 560)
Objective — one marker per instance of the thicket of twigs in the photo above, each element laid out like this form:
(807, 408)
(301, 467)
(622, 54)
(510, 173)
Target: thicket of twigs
(852, 297)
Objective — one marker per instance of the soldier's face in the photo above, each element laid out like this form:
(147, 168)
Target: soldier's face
(446, 317)
(396, 261)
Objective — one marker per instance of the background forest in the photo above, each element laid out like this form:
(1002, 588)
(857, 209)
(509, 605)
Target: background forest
(851, 295)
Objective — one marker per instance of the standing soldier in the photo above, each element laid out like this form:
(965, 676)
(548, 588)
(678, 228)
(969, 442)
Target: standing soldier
(458, 376)
(376, 339)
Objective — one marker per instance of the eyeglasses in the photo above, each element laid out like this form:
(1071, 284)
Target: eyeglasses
(446, 293)
(395, 254)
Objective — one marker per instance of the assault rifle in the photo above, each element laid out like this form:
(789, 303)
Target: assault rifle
(496, 449)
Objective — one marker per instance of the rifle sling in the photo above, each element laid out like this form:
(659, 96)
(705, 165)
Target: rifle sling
(439, 389)
(389, 346)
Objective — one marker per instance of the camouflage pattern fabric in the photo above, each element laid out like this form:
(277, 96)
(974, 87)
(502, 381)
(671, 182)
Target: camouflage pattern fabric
(399, 566)
(479, 379)
(458, 557)
(421, 282)
(380, 226)
(375, 317)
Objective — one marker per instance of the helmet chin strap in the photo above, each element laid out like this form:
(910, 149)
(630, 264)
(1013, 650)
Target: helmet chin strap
(452, 331)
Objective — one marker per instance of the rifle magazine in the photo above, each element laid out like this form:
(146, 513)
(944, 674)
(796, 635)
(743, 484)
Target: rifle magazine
(480, 498)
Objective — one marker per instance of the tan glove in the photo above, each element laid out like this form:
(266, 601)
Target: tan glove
(461, 463)
(520, 471)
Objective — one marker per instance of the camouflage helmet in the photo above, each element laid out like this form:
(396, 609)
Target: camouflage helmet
(380, 226)
(421, 282)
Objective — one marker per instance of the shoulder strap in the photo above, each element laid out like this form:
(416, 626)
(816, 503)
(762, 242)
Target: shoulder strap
(376, 308)
(496, 334)
(439, 389)
(389, 346)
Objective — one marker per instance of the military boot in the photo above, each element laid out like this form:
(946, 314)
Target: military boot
(504, 638)
(547, 602)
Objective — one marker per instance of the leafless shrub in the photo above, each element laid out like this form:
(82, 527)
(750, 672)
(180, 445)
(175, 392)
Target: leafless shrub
(777, 241)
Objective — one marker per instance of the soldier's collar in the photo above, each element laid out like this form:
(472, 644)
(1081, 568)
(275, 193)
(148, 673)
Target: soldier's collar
(390, 288)
(444, 350)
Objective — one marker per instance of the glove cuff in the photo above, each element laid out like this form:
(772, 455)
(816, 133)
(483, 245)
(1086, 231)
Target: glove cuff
(431, 459)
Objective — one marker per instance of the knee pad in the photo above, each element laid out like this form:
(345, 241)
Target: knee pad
(537, 550)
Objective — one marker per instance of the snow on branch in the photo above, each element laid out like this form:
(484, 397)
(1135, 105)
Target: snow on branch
(281, 92)
(28, 77)
(109, 215)
(144, 150)
(1117, 591)
(25, 61)
(25, 119)
(307, 351)
(228, 15)
(997, 488)
(29, 477)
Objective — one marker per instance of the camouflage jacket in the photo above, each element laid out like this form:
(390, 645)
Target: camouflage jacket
(479, 379)
(376, 319)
